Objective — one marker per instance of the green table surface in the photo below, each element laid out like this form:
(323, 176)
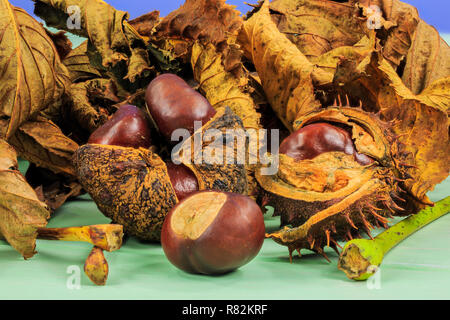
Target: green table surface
(418, 268)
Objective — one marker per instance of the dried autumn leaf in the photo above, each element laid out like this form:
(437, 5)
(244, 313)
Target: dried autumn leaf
(32, 74)
(146, 23)
(222, 88)
(107, 29)
(79, 66)
(8, 157)
(43, 143)
(284, 71)
(326, 64)
(21, 212)
(323, 31)
(84, 98)
(317, 26)
(428, 59)
(206, 20)
(396, 21)
(412, 47)
(420, 121)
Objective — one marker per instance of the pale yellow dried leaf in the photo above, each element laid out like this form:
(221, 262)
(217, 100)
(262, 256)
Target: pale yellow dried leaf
(284, 71)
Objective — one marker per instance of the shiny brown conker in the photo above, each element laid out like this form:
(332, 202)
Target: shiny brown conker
(173, 104)
(317, 138)
(128, 127)
(213, 232)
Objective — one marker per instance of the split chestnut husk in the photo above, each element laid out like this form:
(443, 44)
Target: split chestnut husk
(332, 196)
(133, 187)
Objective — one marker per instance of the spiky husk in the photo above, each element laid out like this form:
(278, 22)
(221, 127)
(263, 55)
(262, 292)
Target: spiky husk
(222, 173)
(332, 197)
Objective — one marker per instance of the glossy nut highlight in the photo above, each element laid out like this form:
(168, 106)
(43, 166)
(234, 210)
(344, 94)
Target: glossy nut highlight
(128, 127)
(317, 138)
(173, 104)
(213, 232)
(183, 180)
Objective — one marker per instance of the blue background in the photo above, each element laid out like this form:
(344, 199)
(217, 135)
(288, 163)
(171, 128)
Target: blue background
(434, 12)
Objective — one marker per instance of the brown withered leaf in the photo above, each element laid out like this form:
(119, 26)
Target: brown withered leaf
(8, 157)
(107, 29)
(284, 71)
(89, 101)
(422, 144)
(79, 66)
(317, 26)
(146, 23)
(413, 48)
(42, 143)
(428, 59)
(211, 21)
(21, 212)
(397, 24)
(32, 74)
(326, 64)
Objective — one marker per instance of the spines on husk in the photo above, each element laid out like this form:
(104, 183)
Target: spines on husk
(334, 197)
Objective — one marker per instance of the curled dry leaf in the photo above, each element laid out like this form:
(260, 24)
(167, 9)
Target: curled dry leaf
(43, 143)
(32, 74)
(284, 71)
(8, 157)
(398, 22)
(89, 101)
(222, 88)
(323, 31)
(21, 212)
(326, 30)
(412, 47)
(114, 39)
(145, 24)
(317, 26)
(209, 21)
(428, 59)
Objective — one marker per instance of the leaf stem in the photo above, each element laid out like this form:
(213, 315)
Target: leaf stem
(361, 257)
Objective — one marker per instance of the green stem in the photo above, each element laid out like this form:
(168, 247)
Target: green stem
(360, 257)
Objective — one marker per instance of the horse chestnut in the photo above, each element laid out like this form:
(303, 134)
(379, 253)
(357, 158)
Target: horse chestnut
(183, 180)
(173, 104)
(128, 127)
(314, 139)
(213, 232)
